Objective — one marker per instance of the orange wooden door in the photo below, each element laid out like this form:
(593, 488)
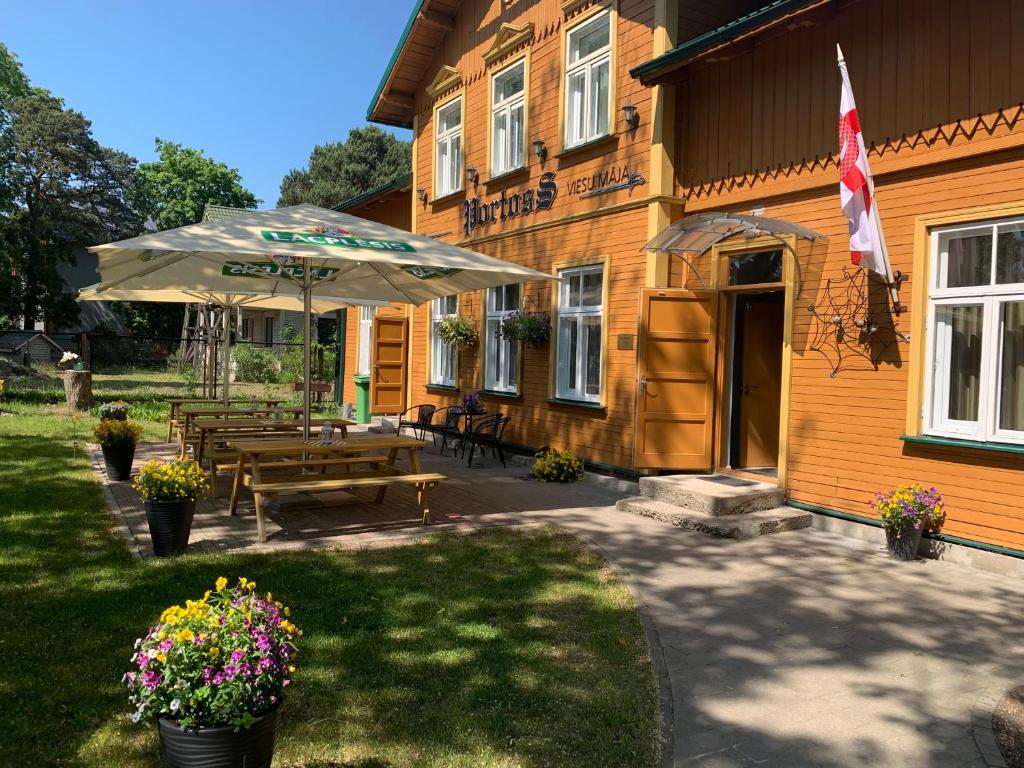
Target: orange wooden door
(676, 391)
(760, 386)
(387, 372)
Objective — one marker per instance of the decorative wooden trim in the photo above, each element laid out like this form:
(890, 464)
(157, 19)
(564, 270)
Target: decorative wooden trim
(509, 38)
(569, 7)
(445, 80)
(525, 58)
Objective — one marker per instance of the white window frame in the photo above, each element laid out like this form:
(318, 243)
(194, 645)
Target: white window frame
(363, 348)
(498, 350)
(444, 359)
(563, 388)
(584, 129)
(444, 183)
(503, 154)
(991, 298)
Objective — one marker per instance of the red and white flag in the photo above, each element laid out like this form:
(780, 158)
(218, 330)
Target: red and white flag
(867, 244)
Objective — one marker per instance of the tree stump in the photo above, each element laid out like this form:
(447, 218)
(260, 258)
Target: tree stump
(78, 389)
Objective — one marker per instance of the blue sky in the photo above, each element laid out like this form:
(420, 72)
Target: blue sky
(254, 84)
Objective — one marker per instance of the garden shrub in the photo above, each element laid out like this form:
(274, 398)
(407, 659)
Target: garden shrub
(555, 466)
(254, 364)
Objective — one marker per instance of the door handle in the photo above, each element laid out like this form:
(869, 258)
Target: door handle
(643, 385)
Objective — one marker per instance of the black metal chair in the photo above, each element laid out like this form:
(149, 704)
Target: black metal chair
(449, 429)
(487, 432)
(420, 422)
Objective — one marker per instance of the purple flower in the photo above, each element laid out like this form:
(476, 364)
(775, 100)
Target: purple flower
(166, 645)
(265, 663)
(151, 680)
(143, 661)
(263, 643)
(129, 677)
(244, 670)
(218, 678)
(236, 656)
(230, 672)
(207, 674)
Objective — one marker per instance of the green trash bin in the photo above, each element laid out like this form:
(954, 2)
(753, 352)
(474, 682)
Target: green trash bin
(362, 399)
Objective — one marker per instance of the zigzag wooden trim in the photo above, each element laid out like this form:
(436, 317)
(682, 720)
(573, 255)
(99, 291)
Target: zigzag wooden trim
(445, 80)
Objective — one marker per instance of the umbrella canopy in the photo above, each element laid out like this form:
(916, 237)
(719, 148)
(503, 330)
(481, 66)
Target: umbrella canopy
(262, 252)
(227, 301)
(302, 250)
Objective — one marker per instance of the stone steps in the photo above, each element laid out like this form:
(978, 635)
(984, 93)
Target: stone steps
(718, 505)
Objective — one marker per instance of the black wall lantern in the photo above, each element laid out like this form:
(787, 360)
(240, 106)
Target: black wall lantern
(472, 175)
(540, 150)
(631, 116)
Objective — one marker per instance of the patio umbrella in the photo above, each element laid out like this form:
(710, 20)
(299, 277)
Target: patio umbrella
(227, 302)
(298, 251)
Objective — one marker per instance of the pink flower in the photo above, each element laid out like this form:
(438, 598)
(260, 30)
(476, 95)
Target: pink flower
(151, 680)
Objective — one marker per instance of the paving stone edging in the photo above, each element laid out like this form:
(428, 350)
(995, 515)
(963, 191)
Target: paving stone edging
(95, 456)
(981, 727)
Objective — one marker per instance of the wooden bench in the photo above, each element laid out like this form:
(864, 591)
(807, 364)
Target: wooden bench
(265, 458)
(175, 404)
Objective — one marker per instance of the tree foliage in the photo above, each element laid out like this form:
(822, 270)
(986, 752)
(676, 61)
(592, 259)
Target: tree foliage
(174, 190)
(62, 191)
(369, 158)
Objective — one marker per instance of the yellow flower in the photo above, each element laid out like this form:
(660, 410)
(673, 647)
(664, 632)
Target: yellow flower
(221, 583)
(214, 652)
(185, 635)
(161, 657)
(291, 669)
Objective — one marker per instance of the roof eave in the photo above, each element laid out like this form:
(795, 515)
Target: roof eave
(659, 69)
(402, 41)
(364, 198)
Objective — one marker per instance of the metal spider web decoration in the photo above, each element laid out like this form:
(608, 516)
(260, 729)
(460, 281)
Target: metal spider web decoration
(855, 321)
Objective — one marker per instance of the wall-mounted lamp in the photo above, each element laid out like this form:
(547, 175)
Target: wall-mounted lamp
(540, 150)
(472, 175)
(421, 193)
(631, 116)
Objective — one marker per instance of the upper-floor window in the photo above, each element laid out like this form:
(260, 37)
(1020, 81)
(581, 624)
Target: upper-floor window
(580, 318)
(976, 332)
(508, 100)
(448, 148)
(443, 357)
(587, 80)
(366, 315)
(501, 356)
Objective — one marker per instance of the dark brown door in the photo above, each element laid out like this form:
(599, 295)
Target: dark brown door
(760, 320)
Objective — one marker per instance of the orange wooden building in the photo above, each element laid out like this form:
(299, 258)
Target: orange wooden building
(620, 144)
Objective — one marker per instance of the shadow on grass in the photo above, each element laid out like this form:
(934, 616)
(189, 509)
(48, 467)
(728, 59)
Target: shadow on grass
(499, 648)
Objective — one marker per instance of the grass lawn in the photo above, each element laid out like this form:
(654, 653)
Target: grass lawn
(500, 648)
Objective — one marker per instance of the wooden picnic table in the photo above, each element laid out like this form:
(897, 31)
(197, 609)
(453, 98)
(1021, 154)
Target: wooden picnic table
(177, 402)
(297, 460)
(188, 414)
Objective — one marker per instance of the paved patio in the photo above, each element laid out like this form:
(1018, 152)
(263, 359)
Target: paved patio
(798, 649)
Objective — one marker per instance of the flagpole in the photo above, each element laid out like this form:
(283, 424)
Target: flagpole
(890, 279)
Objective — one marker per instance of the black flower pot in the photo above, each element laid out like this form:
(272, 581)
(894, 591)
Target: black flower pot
(222, 747)
(118, 459)
(170, 523)
(903, 544)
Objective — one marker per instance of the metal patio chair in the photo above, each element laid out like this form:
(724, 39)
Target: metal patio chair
(487, 433)
(449, 430)
(418, 418)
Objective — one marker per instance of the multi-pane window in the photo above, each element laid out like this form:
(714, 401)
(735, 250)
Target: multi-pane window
(448, 148)
(976, 332)
(587, 80)
(443, 359)
(501, 356)
(580, 311)
(507, 115)
(365, 336)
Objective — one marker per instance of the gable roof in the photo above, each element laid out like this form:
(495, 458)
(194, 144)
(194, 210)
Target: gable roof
(393, 102)
(659, 69)
(13, 341)
(401, 183)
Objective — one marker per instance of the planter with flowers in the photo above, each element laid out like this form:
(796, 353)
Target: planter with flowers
(169, 490)
(471, 404)
(531, 328)
(458, 332)
(118, 439)
(116, 409)
(906, 513)
(212, 674)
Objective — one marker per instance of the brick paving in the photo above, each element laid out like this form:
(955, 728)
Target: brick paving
(798, 649)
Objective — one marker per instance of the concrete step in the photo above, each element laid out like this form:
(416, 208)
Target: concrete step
(713, 495)
(744, 526)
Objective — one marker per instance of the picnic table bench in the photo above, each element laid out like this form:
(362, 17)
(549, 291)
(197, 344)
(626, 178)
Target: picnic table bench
(214, 434)
(187, 416)
(177, 402)
(272, 466)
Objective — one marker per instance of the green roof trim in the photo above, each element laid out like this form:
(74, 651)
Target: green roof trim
(394, 59)
(396, 184)
(697, 45)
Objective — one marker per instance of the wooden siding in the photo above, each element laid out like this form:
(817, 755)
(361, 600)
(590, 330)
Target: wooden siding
(771, 102)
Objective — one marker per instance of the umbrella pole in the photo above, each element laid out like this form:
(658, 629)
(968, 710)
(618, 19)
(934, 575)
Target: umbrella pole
(226, 312)
(307, 300)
